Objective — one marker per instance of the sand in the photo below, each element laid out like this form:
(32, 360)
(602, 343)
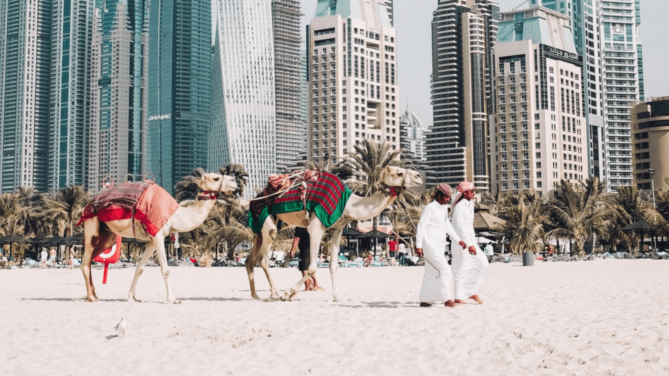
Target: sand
(605, 317)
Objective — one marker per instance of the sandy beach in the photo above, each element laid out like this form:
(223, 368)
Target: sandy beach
(605, 317)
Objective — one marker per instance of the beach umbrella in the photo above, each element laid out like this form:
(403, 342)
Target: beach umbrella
(639, 227)
(11, 239)
(351, 233)
(74, 239)
(376, 235)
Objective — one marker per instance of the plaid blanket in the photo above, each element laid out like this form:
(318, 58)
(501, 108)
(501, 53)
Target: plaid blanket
(148, 203)
(325, 195)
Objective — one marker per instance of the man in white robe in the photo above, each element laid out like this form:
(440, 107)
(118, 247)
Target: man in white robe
(431, 244)
(469, 265)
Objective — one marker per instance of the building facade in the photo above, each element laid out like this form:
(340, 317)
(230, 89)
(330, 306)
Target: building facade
(291, 126)
(464, 33)
(620, 49)
(117, 125)
(606, 35)
(353, 80)
(412, 135)
(179, 86)
(539, 130)
(650, 143)
(70, 92)
(25, 50)
(243, 110)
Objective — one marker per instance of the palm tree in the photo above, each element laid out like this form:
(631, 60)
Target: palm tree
(630, 206)
(577, 211)
(67, 204)
(363, 169)
(523, 228)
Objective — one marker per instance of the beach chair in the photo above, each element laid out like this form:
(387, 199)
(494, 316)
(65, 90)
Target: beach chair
(376, 262)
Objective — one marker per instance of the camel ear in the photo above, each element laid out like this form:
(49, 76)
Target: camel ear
(388, 169)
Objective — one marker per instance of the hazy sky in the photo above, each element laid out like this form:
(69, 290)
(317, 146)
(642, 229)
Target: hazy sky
(412, 21)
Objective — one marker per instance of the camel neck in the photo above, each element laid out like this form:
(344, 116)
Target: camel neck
(363, 208)
(189, 217)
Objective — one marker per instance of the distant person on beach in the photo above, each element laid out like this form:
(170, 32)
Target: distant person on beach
(302, 242)
(430, 243)
(469, 266)
(402, 250)
(392, 245)
(43, 257)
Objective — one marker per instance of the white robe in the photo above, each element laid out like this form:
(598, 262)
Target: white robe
(431, 236)
(469, 271)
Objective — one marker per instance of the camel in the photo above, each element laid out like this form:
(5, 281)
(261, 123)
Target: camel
(99, 235)
(357, 208)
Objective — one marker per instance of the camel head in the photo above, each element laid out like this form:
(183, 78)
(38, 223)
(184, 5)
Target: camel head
(212, 184)
(396, 177)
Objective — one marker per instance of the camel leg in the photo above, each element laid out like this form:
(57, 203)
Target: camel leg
(316, 231)
(250, 265)
(334, 257)
(263, 263)
(148, 252)
(91, 227)
(159, 243)
(260, 249)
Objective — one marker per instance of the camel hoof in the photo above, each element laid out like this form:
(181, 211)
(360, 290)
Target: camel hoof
(174, 301)
(91, 299)
(256, 297)
(275, 296)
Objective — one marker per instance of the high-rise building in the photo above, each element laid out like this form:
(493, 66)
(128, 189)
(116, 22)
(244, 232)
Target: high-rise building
(117, 126)
(353, 81)
(464, 33)
(621, 72)
(412, 135)
(70, 92)
(650, 138)
(606, 35)
(391, 11)
(539, 129)
(25, 48)
(243, 111)
(179, 87)
(290, 123)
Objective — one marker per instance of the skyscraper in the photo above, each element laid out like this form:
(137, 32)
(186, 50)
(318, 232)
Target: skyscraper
(25, 47)
(290, 122)
(606, 35)
(463, 35)
(243, 112)
(353, 81)
(70, 92)
(412, 134)
(117, 126)
(391, 11)
(538, 129)
(179, 87)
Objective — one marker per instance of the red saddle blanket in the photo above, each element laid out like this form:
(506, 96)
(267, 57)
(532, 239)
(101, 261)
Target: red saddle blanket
(148, 203)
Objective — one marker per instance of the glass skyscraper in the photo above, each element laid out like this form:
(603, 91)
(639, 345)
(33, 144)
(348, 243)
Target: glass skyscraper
(70, 92)
(117, 126)
(243, 110)
(290, 121)
(179, 88)
(464, 33)
(25, 47)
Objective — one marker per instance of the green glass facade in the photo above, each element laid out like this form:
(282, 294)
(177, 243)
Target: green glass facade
(179, 88)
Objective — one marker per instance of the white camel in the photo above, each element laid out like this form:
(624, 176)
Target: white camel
(357, 208)
(99, 235)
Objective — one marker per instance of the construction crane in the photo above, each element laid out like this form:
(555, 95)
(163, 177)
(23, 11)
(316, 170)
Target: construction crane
(520, 5)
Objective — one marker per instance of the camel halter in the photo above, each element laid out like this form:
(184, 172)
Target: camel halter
(396, 191)
(211, 195)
